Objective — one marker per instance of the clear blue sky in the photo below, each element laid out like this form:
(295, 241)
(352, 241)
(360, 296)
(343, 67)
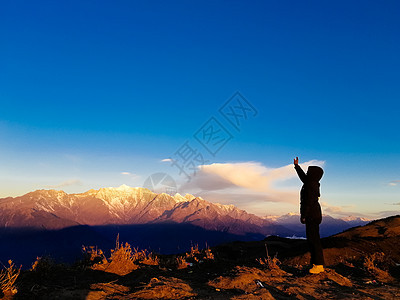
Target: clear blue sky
(91, 89)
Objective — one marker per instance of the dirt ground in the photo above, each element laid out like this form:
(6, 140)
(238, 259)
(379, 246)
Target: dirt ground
(210, 280)
(363, 263)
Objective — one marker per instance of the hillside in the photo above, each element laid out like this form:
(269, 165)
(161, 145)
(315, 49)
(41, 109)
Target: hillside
(362, 263)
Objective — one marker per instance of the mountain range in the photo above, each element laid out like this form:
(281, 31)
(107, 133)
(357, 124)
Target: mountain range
(51, 209)
(328, 227)
(55, 223)
(124, 205)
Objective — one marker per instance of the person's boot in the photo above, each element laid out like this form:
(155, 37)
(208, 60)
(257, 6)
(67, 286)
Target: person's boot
(316, 269)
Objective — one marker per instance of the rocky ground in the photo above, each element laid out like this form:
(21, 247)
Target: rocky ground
(362, 263)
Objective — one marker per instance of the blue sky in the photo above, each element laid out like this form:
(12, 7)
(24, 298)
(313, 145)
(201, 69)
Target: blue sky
(92, 89)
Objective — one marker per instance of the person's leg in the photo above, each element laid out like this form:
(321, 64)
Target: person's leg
(309, 235)
(314, 242)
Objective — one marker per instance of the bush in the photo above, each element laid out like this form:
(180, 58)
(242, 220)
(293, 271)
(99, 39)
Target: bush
(122, 261)
(8, 276)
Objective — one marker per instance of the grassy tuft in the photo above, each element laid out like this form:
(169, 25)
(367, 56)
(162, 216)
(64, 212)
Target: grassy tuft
(8, 276)
(123, 259)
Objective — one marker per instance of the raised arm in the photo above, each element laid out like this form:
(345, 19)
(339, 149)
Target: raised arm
(299, 170)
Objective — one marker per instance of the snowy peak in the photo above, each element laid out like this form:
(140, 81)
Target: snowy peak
(179, 198)
(123, 205)
(134, 193)
(354, 218)
(123, 187)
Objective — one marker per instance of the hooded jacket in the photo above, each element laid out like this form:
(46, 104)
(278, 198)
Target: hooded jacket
(310, 208)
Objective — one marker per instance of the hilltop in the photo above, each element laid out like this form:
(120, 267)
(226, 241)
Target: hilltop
(362, 263)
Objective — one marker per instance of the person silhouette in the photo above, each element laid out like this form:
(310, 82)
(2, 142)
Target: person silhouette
(310, 212)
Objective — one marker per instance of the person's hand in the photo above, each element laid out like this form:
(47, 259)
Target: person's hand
(303, 220)
(296, 161)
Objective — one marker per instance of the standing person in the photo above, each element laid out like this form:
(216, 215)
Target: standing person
(310, 212)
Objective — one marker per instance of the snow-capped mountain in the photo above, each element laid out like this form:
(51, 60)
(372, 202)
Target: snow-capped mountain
(356, 221)
(51, 209)
(328, 226)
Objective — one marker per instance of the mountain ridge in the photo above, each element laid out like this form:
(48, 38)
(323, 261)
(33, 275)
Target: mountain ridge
(53, 209)
(124, 205)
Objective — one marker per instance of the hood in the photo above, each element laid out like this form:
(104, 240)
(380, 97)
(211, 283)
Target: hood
(314, 173)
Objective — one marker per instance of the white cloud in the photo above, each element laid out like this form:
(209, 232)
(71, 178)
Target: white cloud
(65, 183)
(394, 183)
(245, 182)
(341, 211)
(130, 174)
(166, 160)
(249, 175)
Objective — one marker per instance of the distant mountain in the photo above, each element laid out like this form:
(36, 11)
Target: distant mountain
(329, 225)
(51, 209)
(356, 221)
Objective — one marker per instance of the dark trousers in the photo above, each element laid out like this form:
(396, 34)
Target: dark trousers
(314, 243)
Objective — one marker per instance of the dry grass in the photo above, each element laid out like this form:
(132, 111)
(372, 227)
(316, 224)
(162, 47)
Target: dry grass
(208, 254)
(150, 259)
(8, 276)
(181, 263)
(93, 254)
(43, 265)
(123, 259)
(194, 256)
(373, 263)
(270, 263)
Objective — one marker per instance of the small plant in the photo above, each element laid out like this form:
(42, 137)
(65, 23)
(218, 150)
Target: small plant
(123, 259)
(93, 255)
(150, 260)
(44, 265)
(195, 255)
(8, 276)
(374, 264)
(194, 250)
(208, 254)
(371, 261)
(182, 264)
(36, 264)
(271, 263)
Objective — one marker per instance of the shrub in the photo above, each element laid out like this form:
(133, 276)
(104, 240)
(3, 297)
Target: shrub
(271, 263)
(181, 262)
(8, 276)
(123, 259)
(196, 256)
(375, 265)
